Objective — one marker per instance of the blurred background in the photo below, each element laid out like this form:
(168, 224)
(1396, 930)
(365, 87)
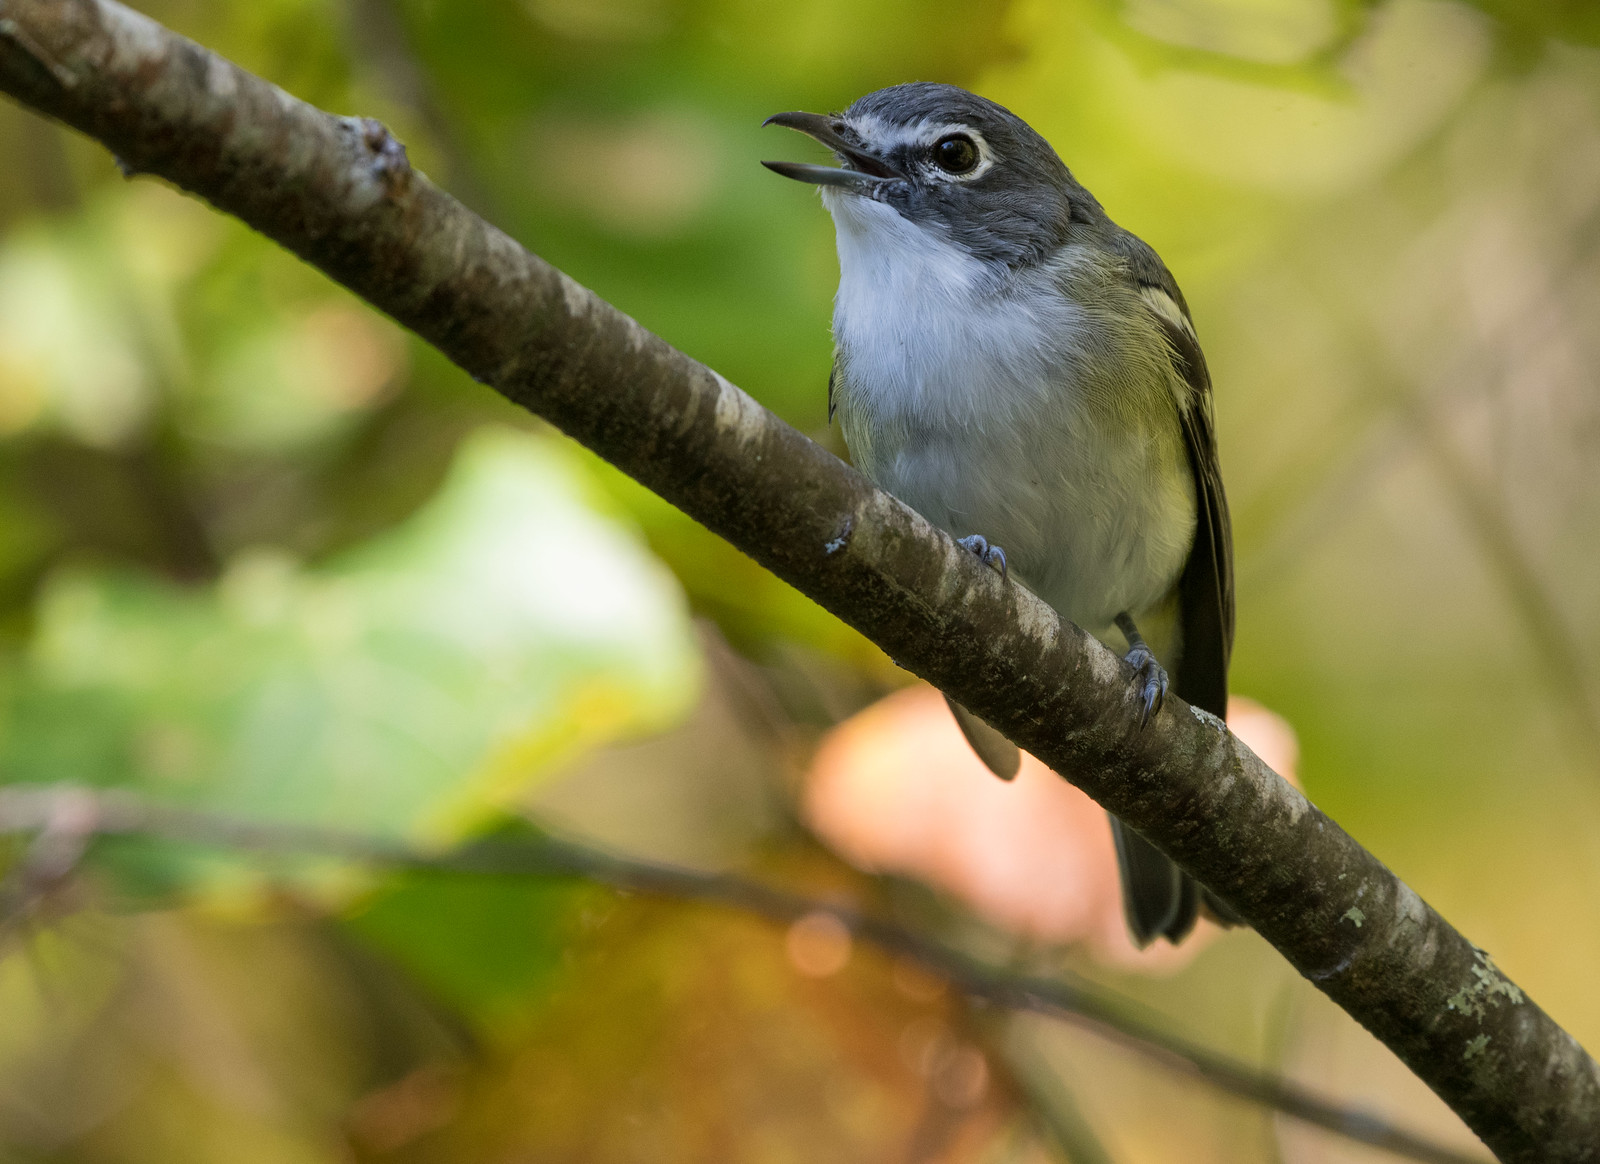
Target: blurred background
(265, 555)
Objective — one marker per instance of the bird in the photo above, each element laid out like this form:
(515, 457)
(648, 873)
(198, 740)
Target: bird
(1025, 373)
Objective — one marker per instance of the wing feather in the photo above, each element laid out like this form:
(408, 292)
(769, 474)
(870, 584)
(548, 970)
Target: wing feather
(1205, 589)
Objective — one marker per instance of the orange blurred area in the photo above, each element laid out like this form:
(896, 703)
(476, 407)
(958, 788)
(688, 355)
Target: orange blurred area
(896, 789)
(686, 1034)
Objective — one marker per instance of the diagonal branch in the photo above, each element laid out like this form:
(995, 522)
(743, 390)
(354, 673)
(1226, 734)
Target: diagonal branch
(45, 811)
(340, 193)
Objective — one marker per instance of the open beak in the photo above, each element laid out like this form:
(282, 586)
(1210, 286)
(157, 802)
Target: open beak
(862, 173)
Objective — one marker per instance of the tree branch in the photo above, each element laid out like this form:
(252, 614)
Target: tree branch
(64, 818)
(339, 193)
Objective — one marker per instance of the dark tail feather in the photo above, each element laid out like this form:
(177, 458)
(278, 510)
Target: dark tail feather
(1217, 910)
(1000, 754)
(1160, 900)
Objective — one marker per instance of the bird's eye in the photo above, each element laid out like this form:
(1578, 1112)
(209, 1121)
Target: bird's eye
(955, 154)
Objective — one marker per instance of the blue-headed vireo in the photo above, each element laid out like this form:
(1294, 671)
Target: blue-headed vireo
(1023, 372)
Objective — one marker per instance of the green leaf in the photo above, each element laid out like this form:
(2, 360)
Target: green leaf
(411, 688)
(486, 946)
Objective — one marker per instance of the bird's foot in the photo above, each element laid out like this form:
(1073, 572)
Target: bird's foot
(992, 556)
(1149, 682)
(1149, 676)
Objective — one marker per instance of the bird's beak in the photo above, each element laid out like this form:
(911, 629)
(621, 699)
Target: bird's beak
(863, 171)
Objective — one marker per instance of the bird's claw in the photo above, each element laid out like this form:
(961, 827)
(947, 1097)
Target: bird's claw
(992, 556)
(1150, 682)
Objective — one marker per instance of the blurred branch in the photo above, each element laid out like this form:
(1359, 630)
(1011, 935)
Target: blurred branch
(80, 814)
(1052, 1103)
(377, 28)
(62, 822)
(1314, 490)
(1490, 523)
(1278, 1035)
(1285, 535)
(1316, 72)
(340, 193)
(1562, 667)
(1489, 517)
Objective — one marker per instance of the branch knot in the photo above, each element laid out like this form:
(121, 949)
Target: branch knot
(389, 160)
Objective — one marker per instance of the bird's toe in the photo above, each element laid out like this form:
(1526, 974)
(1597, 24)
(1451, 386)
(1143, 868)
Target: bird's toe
(1149, 682)
(990, 555)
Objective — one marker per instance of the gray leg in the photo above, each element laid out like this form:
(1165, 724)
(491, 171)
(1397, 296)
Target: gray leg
(1150, 677)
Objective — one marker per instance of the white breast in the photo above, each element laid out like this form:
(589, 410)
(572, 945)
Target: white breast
(999, 404)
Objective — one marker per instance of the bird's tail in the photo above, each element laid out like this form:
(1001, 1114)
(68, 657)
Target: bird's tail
(1000, 755)
(1160, 900)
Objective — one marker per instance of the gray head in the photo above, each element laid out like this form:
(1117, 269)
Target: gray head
(951, 162)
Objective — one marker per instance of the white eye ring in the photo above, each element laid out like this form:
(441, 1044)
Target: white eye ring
(933, 137)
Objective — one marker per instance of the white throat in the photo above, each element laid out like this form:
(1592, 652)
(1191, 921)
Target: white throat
(927, 328)
(885, 259)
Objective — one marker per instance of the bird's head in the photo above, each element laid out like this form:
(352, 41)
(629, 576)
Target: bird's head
(948, 161)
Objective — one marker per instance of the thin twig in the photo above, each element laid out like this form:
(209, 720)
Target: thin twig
(378, 32)
(1562, 666)
(1053, 1104)
(117, 813)
(62, 823)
